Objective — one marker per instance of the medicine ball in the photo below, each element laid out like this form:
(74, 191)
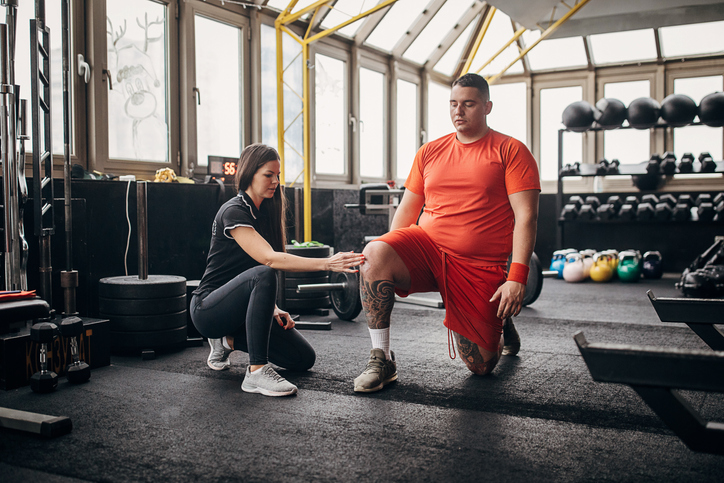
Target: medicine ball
(678, 110)
(648, 182)
(643, 113)
(578, 116)
(711, 109)
(609, 113)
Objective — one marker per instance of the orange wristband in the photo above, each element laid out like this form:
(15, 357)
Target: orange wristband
(518, 273)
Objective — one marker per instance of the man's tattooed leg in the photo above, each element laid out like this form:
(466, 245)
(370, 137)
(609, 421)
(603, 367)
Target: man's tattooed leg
(475, 357)
(378, 298)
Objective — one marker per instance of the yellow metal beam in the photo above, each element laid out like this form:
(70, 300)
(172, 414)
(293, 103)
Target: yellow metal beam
(515, 37)
(307, 143)
(479, 39)
(331, 30)
(293, 17)
(543, 36)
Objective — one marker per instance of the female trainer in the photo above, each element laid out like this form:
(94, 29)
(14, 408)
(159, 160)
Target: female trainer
(234, 305)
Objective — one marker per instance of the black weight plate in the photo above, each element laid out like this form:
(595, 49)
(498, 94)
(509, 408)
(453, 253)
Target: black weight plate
(145, 323)
(310, 252)
(131, 287)
(148, 340)
(297, 276)
(319, 302)
(167, 305)
(292, 283)
(346, 303)
(535, 281)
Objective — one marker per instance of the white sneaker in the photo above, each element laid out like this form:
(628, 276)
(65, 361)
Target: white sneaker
(219, 356)
(266, 381)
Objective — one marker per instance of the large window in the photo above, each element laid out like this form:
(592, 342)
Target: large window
(330, 119)
(138, 103)
(438, 111)
(372, 123)
(219, 81)
(698, 139)
(510, 110)
(552, 103)
(407, 134)
(627, 145)
(621, 47)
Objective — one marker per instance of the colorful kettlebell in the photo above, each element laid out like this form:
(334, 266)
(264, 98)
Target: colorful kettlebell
(602, 270)
(587, 256)
(652, 265)
(574, 271)
(557, 262)
(629, 266)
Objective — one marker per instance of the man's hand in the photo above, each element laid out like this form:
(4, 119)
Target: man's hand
(511, 296)
(283, 318)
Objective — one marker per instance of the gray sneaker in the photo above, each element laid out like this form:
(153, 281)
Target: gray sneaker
(219, 356)
(379, 371)
(266, 381)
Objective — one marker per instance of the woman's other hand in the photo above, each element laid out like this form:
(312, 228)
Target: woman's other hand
(283, 318)
(345, 262)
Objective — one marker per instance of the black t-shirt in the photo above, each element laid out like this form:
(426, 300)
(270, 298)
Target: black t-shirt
(226, 258)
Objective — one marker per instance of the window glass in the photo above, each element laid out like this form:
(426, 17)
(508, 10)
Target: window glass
(25, 12)
(620, 47)
(556, 53)
(407, 141)
(438, 111)
(372, 123)
(294, 127)
(330, 120)
(499, 32)
(395, 23)
(449, 62)
(509, 112)
(552, 103)
(344, 10)
(137, 104)
(436, 30)
(695, 39)
(219, 80)
(629, 146)
(702, 138)
(282, 4)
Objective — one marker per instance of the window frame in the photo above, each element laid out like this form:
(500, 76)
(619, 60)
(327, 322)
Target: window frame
(189, 9)
(407, 73)
(98, 156)
(369, 62)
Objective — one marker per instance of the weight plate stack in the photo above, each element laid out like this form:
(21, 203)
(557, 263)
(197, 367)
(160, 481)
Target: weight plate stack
(300, 302)
(347, 303)
(144, 314)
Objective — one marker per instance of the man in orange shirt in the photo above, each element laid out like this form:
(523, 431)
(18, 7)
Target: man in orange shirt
(479, 189)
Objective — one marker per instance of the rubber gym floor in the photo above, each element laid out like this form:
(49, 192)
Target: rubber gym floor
(538, 417)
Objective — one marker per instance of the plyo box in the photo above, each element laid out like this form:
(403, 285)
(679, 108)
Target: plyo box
(19, 356)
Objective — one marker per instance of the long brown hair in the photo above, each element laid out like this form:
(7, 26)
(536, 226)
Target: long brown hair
(272, 210)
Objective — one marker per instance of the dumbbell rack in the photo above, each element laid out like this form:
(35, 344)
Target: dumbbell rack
(590, 170)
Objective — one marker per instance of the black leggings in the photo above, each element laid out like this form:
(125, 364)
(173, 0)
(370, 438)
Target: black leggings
(244, 309)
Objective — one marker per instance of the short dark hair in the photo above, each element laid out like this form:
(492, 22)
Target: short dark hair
(474, 80)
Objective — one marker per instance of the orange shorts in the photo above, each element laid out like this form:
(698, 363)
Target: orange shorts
(466, 286)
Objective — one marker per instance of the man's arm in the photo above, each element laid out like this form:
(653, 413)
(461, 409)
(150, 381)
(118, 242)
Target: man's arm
(408, 211)
(525, 210)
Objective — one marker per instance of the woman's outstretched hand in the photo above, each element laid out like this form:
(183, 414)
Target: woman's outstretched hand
(345, 262)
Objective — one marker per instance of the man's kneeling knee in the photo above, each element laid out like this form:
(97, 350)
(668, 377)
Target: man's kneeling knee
(483, 368)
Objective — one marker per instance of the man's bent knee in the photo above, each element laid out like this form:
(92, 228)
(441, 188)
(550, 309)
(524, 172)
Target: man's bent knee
(484, 368)
(383, 263)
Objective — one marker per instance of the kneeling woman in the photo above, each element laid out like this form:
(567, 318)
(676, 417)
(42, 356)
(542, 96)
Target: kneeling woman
(234, 305)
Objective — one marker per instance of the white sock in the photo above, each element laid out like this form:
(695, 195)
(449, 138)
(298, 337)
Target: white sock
(225, 344)
(381, 340)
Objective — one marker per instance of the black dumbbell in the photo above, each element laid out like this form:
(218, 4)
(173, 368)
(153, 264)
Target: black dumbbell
(607, 212)
(668, 199)
(43, 333)
(627, 212)
(719, 211)
(685, 199)
(593, 201)
(703, 198)
(575, 200)
(682, 212)
(645, 211)
(631, 200)
(705, 210)
(650, 198)
(613, 166)
(663, 211)
(686, 164)
(718, 198)
(569, 212)
(653, 165)
(602, 167)
(668, 164)
(615, 201)
(77, 371)
(587, 212)
(707, 163)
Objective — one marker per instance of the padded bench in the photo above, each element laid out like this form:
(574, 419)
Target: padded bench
(699, 314)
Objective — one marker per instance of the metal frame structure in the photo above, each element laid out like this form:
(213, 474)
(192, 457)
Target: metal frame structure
(281, 25)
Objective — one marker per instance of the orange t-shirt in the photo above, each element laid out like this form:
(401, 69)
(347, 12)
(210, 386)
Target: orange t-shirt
(466, 187)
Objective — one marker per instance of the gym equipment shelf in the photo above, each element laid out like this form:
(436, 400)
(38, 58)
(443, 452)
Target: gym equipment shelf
(589, 170)
(699, 314)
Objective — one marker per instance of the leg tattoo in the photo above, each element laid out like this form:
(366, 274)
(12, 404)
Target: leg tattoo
(378, 298)
(471, 355)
